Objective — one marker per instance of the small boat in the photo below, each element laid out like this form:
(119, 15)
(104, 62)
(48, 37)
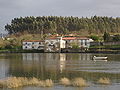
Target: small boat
(99, 58)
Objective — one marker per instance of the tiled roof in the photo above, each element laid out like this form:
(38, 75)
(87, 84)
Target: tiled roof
(73, 38)
(68, 38)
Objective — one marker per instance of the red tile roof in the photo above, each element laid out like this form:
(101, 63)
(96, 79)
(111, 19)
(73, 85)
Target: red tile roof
(68, 38)
(73, 38)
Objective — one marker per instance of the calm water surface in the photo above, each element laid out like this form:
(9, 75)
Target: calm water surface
(55, 66)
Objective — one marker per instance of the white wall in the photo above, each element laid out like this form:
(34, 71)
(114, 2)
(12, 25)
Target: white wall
(31, 45)
(58, 43)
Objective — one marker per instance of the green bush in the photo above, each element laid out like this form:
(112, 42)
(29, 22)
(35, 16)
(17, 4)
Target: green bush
(8, 47)
(75, 46)
(94, 37)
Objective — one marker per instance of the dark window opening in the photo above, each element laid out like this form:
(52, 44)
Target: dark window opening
(85, 42)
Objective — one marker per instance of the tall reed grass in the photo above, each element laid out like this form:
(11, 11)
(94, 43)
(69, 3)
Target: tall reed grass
(65, 81)
(104, 81)
(15, 82)
(76, 82)
(79, 82)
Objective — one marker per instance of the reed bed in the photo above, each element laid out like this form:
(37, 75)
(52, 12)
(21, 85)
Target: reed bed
(79, 82)
(65, 81)
(15, 82)
(105, 81)
(76, 82)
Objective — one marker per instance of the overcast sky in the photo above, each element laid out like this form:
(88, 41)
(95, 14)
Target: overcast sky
(10, 9)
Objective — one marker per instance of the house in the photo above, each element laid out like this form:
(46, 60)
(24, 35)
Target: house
(57, 43)
(82, 42)
(33, 45)
(54, 44)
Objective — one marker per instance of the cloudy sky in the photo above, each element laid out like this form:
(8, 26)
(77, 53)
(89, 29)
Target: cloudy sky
(10, 9)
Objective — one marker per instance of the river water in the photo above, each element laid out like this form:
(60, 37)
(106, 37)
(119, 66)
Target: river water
(57, 65)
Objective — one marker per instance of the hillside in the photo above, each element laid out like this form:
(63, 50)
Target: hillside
(64, 25)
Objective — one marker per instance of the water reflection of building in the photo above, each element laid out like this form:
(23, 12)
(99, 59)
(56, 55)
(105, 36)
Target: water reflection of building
(52, 60)
(55, 61)
(78, 57)
(32, 56)
(48, 64)
(62, 62)
(84, 56)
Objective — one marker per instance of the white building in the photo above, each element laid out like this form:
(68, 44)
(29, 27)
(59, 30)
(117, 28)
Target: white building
(57, 43)
(54, 44)
(82, 42)
(33, 44)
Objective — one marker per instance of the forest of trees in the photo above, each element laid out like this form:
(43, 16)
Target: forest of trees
(63, 25)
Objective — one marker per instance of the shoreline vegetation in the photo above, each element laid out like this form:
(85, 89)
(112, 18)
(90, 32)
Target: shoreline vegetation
(38, 51)
(13, 44)
(16, 82)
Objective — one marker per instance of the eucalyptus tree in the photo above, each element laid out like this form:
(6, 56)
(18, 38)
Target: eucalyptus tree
(63, 25)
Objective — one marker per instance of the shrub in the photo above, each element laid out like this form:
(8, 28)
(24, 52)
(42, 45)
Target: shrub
(94, 37)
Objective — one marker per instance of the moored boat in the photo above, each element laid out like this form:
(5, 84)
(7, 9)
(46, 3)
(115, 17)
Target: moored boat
(99, 58)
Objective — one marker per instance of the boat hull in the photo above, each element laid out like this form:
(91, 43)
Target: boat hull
(99, 58)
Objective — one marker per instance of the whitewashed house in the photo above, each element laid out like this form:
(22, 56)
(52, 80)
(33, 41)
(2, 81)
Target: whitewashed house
(33, 45)
(54, 44)
(82, 42)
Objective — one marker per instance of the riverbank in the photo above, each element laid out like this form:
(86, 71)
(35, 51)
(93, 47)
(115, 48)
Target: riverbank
(71, 51)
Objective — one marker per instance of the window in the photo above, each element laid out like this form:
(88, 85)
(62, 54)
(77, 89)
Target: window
(85, 42)
(51, 42)
(40, 43)
(81, 42)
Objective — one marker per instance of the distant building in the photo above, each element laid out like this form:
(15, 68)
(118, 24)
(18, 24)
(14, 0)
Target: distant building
(54, 44)
(33, 45)
(58, 43)
(82, 42)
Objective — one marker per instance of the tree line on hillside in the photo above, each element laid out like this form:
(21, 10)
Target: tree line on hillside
(63, 25)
